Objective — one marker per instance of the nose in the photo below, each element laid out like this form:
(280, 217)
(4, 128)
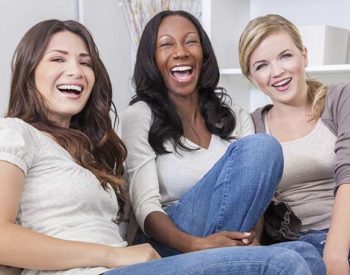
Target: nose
(276, 69)
(74, 69)
(180, 51)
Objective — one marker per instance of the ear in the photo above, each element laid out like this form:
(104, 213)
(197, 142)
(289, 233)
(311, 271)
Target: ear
(306, 60)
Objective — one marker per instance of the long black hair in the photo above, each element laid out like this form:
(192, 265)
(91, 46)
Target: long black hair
(151, 88)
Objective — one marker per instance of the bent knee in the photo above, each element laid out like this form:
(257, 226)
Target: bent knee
(262, 147)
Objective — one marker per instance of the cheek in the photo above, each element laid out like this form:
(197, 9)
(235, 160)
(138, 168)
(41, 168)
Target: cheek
(40, 81)
(92, 79)
(259, 79)
(199, 56)
(158, 59)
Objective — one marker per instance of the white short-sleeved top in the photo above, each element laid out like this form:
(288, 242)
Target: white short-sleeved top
(60, 198)
(157, 181)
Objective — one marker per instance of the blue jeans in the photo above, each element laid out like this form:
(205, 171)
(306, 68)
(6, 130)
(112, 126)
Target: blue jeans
(249, 260)
(317, 238)
(232, 196)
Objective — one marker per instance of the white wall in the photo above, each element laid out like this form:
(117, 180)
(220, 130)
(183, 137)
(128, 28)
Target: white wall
(17, 16)
(306, 12)
(107, 24)
(103, 18)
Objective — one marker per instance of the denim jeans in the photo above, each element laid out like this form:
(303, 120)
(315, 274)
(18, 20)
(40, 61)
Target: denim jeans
(317, 238)
(232, 196)
(249, 260)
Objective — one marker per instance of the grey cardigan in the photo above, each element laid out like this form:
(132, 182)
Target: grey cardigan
(336, 116)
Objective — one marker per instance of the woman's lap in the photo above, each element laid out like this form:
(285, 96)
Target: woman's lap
(232, 260)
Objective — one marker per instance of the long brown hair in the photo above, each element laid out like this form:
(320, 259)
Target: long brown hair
(261, 27)
(90, 139)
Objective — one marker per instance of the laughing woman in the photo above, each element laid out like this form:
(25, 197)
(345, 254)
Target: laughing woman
(312, 122)
(193, 185)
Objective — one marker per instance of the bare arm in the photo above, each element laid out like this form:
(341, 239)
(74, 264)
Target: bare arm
(338, 241)
(24, 248)
(160, 227)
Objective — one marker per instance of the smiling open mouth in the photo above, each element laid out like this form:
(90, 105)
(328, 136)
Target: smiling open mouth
(282, 83)
(182, 73)
(71, 89)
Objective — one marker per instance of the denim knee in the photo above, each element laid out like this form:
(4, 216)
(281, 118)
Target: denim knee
(264, 144)
(262, 154)
(290, 262)
(309, 254)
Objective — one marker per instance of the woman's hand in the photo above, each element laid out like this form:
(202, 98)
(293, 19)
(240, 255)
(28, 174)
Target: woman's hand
(224, 239)
(134, 254)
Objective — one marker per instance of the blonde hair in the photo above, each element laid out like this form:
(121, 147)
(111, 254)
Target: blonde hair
(263, 26)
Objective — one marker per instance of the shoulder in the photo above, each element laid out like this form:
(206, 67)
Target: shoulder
(336, 91)
(137, 110)
(15, 124)
(18, 142)
(244, 124)
(136, 119)
(337, 106)
(337, 100)
(239, 111)
(258, 118)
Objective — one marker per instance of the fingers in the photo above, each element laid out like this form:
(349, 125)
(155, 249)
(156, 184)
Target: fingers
(244, 237)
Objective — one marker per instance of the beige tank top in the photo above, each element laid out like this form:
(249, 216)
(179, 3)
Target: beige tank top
(307, 183)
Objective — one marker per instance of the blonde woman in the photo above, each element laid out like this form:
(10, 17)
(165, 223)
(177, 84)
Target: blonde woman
(312, 123)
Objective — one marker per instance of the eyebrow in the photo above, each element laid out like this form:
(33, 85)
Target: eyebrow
(188, 33)
(257, 62)
(65, 53)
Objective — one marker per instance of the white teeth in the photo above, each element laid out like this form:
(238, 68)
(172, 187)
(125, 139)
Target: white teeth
(281, 83)
(70, 87)
(181, 68)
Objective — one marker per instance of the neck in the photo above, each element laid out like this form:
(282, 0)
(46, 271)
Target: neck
(299, 107)
(188, 109)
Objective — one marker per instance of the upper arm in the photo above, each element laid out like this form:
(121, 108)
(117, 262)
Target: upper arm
(341, 116)
(17, 153)
(141, 161)
(11, 183)
(135, 125)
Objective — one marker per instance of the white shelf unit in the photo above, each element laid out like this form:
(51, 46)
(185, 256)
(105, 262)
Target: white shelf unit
(325, 69)
(224, 20)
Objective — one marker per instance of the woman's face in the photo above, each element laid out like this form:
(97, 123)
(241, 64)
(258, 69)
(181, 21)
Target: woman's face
(64, 76)
(179, 55)
(277, 67)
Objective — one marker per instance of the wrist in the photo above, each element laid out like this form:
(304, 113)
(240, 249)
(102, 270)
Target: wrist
(107, 257)
(196, 244)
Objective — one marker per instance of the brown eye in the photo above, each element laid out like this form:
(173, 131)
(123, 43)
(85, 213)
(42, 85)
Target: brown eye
(87, 64)
(57, 59)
